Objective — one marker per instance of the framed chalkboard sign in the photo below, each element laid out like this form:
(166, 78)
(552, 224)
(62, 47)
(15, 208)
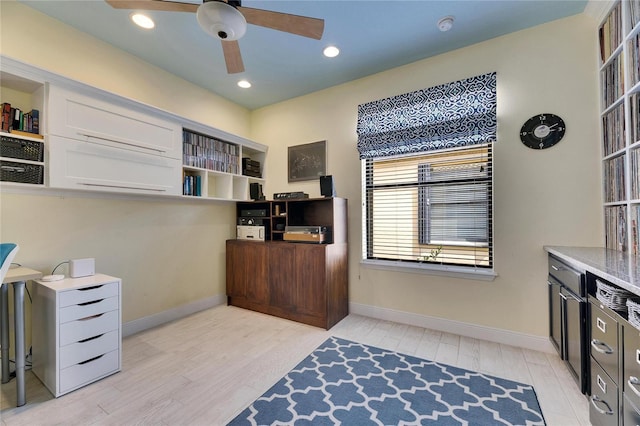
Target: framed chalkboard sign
(307, 161)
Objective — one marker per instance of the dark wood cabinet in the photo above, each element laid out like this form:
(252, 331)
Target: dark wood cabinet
(305, 282)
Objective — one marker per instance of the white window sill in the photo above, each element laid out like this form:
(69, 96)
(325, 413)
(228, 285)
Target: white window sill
(468, 273)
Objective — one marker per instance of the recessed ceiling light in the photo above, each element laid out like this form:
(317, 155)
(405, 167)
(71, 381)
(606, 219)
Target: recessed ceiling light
(244, 84)
(445, 24)
(331, 51)
(142, 21)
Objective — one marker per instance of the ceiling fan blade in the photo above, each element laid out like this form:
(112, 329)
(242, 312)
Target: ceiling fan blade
(294, 24)
(232, 56)
(169, 6)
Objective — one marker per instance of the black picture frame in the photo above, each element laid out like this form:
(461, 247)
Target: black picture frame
(307, 161)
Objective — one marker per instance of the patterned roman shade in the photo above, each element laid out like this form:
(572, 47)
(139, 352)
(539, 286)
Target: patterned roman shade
(446, 116)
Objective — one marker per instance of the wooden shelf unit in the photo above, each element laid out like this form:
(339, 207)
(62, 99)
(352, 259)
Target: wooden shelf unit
(304, 282)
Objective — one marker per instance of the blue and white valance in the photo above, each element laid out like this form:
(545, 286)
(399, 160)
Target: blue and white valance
(445, 116)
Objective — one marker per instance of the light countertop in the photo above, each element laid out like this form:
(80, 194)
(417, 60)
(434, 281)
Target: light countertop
(622, 269)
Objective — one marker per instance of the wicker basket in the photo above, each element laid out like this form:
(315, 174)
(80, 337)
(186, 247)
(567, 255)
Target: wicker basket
(612, 297)
(21, 149)
(21, 172)
(633, 307)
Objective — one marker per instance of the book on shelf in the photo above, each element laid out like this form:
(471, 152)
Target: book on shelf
(634, 109)
(613, 130)
(615, 189)
(634, 173)
(616, 228)
(192, 185)
(210, 153)
(610, 33)
(634, 13)
(14, 120)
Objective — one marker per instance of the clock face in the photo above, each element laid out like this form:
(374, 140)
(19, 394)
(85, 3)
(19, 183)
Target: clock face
(542, 131)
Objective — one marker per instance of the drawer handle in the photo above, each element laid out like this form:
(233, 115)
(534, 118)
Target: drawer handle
(557, 268)
(91, 317)
(139, 188)
(90, 338)
(601, 347)
(595, 400)
(98, 357)
(120, 141)
(632, 382)
(90, 288)
(90, 303)
(13, 169)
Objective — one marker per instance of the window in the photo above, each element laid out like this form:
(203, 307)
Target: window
(427, 176)
(431, 207)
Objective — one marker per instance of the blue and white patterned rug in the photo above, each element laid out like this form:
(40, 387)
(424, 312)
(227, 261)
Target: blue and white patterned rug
(344, 382)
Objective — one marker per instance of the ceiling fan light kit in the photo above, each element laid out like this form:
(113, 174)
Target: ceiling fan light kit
(221, 20)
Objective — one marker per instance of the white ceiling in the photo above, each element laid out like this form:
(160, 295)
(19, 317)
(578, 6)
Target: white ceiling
(372, 36)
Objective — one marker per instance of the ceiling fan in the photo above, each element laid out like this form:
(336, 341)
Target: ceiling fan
(227, 20)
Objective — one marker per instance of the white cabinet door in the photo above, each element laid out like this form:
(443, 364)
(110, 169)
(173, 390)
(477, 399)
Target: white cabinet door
(80, 165)
(82, 117)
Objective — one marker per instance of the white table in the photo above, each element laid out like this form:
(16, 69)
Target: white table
(18, 277)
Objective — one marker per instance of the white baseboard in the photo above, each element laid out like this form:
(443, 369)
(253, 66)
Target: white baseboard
(145, 323)
(497, 335)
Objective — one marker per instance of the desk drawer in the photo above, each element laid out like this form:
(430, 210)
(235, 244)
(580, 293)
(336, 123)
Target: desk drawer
(604, 339)
(75, 331)
(567, 276)
(89, 371)
(631, 377)
(88, 294)
(603, 408)
(78, 352)
(88, 309)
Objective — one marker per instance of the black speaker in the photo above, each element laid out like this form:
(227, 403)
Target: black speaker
(326, 186)
(255, 191)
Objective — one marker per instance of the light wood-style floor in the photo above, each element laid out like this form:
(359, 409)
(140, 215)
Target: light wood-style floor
(205, 369)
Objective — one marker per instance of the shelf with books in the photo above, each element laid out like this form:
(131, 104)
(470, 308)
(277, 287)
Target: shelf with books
(22, 149)
(213, 167)
(619, 36)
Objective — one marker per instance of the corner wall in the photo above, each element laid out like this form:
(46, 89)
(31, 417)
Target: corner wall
(169, 253)
(543, 197)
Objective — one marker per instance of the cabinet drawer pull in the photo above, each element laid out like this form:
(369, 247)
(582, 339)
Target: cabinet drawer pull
(103, 185)
(595, 400)
(100, 356)
(557, 268)
(89, 288)
(90, 303)
(90, 338)
(91, 317)
(13, 169)
(111, 138)
(633, 382)
(601, 347)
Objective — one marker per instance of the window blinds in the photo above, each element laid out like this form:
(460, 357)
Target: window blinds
(434, 207)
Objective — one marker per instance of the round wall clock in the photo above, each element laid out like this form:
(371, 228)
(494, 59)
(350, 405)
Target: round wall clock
(542, 131)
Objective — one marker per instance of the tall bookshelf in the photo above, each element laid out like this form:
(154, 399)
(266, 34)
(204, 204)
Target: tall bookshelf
(619, 36)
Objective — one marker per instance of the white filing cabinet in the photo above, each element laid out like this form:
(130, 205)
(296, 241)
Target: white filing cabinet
(76, 331)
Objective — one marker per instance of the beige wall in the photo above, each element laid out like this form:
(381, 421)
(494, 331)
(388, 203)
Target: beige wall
(541, 197)
(168, 253)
